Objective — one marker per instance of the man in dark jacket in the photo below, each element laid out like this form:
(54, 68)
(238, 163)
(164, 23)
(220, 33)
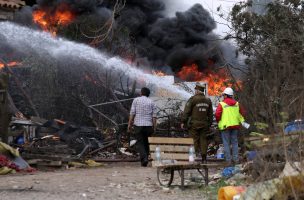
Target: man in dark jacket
(229, 116)
(198, 115)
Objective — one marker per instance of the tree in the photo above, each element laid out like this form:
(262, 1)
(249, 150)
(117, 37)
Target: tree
(273, 44)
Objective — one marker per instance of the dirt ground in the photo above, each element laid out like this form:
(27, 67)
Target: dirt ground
(112, 181)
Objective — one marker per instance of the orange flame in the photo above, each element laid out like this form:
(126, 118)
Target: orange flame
(158, 73)
(50, 20)
(217, 81)
(10, 64)
(190, 73)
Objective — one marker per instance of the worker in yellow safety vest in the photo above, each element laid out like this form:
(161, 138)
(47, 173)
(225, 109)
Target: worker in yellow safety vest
(229, 116)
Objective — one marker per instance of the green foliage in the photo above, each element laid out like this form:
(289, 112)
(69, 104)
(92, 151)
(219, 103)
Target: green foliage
(284, 116)
(255, 134)
(273, 44)
(261, 126)
(281, 125)
(212, 189)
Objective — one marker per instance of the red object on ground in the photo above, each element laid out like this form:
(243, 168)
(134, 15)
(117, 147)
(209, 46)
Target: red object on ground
(5, 162)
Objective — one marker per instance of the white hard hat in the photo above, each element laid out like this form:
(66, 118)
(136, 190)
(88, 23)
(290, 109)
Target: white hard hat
(228, 91)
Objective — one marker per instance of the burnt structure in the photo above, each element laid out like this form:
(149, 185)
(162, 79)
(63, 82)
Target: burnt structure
(64, 88)
(9, 7)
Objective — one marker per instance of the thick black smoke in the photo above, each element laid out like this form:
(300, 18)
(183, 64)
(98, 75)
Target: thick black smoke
(184, 39)
(140, 27)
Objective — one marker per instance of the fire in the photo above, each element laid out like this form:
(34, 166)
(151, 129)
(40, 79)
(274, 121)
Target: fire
(10, 64)
(190, 73)
(158, 73)
(51, 19)
(217, 81)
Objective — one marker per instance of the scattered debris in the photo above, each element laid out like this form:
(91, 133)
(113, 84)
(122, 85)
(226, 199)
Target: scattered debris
(230, 171)
(10, 160)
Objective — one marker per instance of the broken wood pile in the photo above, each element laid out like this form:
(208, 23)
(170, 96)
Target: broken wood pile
(57, 143)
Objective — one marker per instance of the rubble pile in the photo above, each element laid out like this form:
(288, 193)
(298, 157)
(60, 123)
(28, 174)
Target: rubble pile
(56, 143)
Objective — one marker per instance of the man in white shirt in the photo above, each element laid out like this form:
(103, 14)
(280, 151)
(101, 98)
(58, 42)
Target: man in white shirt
(143, 117)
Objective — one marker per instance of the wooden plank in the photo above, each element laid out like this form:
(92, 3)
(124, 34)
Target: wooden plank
(175, 163)
(185, 164)
(271, 137)
(274, 140)
(169, 140)
(170, 148)
(33, 161)
(172, 156)
(50, 163)
(28, 156)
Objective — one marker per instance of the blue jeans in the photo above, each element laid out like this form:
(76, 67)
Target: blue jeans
(229, 137)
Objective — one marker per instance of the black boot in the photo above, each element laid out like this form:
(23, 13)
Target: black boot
(144, 162)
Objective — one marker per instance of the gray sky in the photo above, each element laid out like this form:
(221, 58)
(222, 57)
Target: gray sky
(210, 5)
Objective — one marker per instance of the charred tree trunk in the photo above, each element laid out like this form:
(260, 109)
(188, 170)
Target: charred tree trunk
(5, 116)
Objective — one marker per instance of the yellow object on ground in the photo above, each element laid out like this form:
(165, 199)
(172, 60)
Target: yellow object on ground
(4, 148)
(227, 193)
(92, 163)
(6, 170)
(87, 163)
(77, 164)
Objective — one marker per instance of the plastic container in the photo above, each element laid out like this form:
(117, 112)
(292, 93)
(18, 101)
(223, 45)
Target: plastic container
(230, 171)
(157, 155)
(191, 154)
(220, 152)
(228, 192)
(245, 125)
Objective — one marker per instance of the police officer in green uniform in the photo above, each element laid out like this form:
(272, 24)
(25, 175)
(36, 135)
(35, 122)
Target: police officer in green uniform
(198, 115)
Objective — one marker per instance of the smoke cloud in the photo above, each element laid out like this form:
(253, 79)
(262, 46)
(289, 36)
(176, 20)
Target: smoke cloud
(184, 39)
(140, 28)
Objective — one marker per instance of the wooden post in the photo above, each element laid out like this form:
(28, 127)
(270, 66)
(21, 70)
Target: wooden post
(206, 175)
(5, 116)
(182, 178)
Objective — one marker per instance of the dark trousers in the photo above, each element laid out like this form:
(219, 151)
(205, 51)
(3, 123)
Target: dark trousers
(200, 140)
(142, 133)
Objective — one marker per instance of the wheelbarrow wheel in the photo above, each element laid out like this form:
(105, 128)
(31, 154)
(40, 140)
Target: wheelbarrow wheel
(165, 176)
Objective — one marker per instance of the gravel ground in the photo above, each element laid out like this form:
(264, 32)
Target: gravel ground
(112, 181)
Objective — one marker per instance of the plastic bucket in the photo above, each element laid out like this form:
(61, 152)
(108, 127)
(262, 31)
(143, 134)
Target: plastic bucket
(227, 193)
